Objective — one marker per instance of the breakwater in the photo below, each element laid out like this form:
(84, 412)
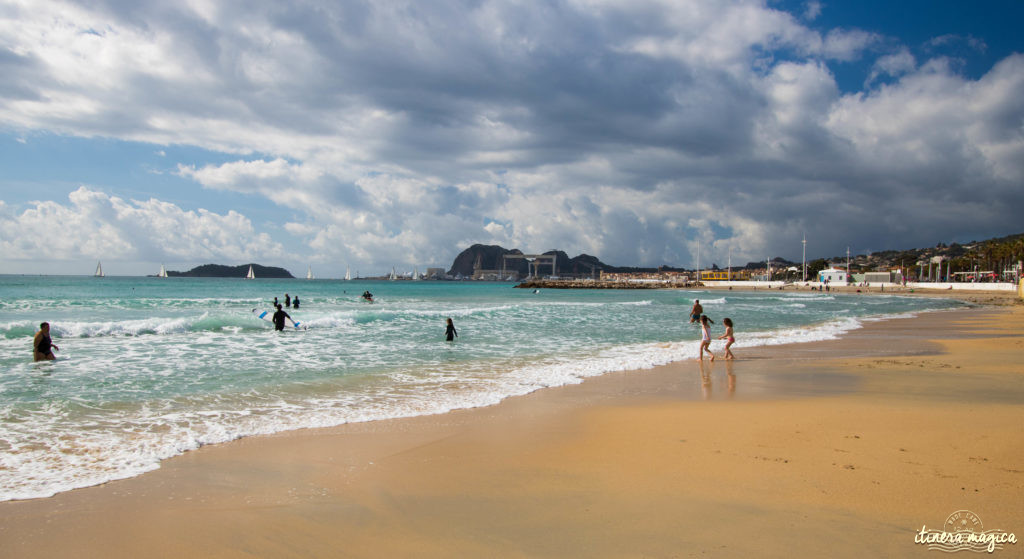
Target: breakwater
(599, 284)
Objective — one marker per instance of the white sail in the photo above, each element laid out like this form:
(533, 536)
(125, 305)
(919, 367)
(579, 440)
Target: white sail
(416, 273)
(99, 270)
(348, 274)
(163, 272)
(250, 275)
(394, 276)
(309, 272)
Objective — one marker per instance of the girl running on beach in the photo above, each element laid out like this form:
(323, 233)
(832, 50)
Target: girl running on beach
(705, 337)
(729, 337)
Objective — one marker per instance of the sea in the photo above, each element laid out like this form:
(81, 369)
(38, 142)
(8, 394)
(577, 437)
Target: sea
(149, 368)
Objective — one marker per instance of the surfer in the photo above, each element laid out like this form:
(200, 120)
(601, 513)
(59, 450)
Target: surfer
(695, 311)
(287, 300)
(449, 332)
(368, 296)
(42, 345)
(295, 302)
(279, 317)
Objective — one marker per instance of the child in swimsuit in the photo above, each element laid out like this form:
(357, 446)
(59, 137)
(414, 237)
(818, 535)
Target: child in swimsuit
(705, 337)
(729, 337)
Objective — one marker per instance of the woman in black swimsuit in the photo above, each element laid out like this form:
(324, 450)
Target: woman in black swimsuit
(449, 332)
(42, 345)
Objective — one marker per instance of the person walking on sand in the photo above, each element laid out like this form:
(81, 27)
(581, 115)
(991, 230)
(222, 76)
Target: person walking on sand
(705, 337)
(728, 336)
(42, 345)
(449, 331)
(695, 311)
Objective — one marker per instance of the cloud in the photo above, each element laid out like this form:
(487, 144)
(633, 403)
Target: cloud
(394, 133)
(893, 65)
(96, 225)
(812, 10)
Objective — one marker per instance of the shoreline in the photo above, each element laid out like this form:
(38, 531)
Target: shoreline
(468, 481)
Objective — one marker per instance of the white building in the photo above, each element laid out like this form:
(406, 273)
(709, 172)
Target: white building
(833, 275)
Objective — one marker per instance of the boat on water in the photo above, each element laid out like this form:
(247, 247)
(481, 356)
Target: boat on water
(250, 275)
(348, 274)
(309, 273)
(163, 272)
(394, 275)
(99, 270)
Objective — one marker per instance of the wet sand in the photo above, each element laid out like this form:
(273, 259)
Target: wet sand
(843, 448)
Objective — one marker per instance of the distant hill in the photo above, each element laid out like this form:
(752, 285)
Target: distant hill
(220, 271)
(490, 258)
(993, 254)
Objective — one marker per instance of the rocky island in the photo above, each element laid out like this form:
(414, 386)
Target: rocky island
(221, 271)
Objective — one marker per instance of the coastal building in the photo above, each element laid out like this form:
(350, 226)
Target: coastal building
(833, 275)
(716, 275)
(880, 277)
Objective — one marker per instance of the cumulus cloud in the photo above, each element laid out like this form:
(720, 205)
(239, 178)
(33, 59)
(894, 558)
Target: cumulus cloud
(97, 225)
(400, 133)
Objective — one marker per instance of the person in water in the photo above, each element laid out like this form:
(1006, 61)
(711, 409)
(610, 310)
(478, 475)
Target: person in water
(295, 302)
(275, 303)
(287, 300)
(705, 337)
(728, 337)
(42, 345)
(695, 311)
(449, 332)
(279, 317)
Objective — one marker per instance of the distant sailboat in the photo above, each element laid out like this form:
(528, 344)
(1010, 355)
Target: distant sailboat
(348, 274)
(309, 272)
(163, 272)
(250, 275)
(99, 270)
(416, 273)
(394, 276)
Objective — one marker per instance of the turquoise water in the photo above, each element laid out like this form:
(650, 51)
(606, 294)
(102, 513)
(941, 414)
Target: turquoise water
(149, 367)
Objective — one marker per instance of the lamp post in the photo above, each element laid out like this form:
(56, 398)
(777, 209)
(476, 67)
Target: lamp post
(805, 258)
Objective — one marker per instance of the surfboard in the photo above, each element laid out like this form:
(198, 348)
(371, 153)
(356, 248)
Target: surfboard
(269, 317)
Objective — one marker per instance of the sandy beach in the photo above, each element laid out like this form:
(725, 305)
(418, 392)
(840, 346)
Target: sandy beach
(844, 448)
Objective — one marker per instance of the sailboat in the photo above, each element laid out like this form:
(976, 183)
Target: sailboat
(394, 276)
(416, 273)
(99, 270)
(163, 272)
(348, 274)
(309, 272)
(250, 275)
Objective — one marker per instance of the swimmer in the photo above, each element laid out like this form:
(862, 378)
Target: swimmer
(695, 311)
(42, 345)
(449, 331)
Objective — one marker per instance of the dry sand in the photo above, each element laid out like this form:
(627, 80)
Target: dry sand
(836, 449)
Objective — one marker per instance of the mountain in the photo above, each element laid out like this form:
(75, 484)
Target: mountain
(221, 271)
(489, 257)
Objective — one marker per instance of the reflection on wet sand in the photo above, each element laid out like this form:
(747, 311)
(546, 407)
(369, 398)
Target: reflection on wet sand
(706, 384)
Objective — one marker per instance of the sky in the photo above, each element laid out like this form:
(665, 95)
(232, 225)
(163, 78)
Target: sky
(379, 134)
